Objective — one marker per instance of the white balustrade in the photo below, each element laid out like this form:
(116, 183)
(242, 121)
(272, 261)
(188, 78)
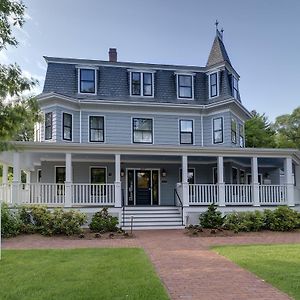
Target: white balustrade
(93, 194)
(272, 194)
(6, 193)
(238, 194)
(203, 194)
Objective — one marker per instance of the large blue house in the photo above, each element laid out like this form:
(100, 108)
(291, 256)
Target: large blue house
(155, 142)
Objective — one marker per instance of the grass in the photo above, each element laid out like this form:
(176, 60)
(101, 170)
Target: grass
(278, 265)
(78, 274)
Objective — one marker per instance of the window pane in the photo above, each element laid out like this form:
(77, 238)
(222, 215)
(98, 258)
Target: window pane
(218, 124)
(67, 133)
(213, 90)
(186, 126)
(97, 135)
(147, 137)
(60, 174)
(185, 92)
(88, 75)
(48, 119)
(98, 175)
(213, 79)
(186, 138)
(87, 87)
(142, 124)
(48, 133)
(147, 78)
(185, 80)
(147, 90)
(136, 83)
(218, 137)
(96, 122)
(68, 120)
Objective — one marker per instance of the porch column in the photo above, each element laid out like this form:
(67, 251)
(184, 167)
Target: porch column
(4, 173)
(118, 194)
(221, 183)
(68, 182)
(185, 183)
(288, 173)
(28, 177)
(16, 178)
(255, 183)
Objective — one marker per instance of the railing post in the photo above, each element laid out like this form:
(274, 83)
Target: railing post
(16, 179)
(118, 192)
(4, 173)
(185, 184)
(68, 182)
(255, 183)
(221, 184)
(288, 172)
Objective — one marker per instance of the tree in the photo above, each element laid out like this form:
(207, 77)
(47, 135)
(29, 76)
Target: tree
(288, 130)
(13, 114)
(259, 132)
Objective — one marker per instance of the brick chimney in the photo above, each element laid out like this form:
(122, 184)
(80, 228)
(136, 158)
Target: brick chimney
(113, 56)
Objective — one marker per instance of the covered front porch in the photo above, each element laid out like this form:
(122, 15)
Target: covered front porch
(86, 175)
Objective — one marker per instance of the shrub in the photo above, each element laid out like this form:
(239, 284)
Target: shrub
(10, 222)
(103, 222)
(245, 221)
(211, 218)
(282, 219)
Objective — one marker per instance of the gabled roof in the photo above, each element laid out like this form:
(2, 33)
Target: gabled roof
(218, 53)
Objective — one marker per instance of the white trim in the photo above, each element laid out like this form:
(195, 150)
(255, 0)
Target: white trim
(97, 167)
(232, 86)
(192, 75)
(104, 129)
(193, 131)
(134, 179)
(80, 130)
(212, 128)
(236, 131)
(78, 80)
(141, 84)
(62, 127)
(218, 84)
(202, 131)
(52, 127)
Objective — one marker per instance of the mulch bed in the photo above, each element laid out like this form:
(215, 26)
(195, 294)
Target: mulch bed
(195, 231)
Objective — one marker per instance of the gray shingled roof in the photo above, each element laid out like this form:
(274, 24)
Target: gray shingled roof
(218, 52)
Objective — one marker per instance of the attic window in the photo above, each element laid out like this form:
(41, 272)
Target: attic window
(235, 87)
(141, 84)
(87, 81)
(213, 85)
(185, 86)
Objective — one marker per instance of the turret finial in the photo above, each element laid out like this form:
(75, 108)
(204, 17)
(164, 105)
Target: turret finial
(216, 24)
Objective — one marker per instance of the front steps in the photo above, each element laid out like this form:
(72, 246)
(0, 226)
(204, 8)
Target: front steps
(152, 217)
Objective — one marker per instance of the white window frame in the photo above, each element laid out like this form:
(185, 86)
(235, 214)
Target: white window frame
(193, 131)
(78, 79)
(52, 115)
(97, 167)
(241, 125)
(62, 126)
(236, 131)
(212, 128)
(142, 83)
(235, 93)
(104, 129)
(218, 85)
(132, 130)
(192, 75)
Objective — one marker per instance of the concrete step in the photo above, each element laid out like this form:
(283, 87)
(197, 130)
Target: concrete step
(152, 223)
(153, 227)
(149, 215)
(143, 219)
(150, 208)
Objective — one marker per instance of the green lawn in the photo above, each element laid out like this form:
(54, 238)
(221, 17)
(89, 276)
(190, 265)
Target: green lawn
(78, 274)
(277, 264)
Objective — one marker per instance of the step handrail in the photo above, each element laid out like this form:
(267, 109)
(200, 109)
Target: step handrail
(123, 208)
(175, 203)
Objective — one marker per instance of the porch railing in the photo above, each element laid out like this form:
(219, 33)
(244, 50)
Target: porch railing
(5, 193)
(203, 194)
(238, 194)
(93, 194)
(273, 194)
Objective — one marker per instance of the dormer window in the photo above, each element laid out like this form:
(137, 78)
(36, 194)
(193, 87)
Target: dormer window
(141, 84)
(185, 86)
(87, 81)
(213, 85)
(235, 87)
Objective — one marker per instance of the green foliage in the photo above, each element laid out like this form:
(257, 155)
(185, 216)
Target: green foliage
(211, 218)
(280, 219)
(11, 223)
(259, 132)
(245, 221)
(288, 130)
(102, 221)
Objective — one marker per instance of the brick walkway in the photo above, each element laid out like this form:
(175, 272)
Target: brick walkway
(186, 266)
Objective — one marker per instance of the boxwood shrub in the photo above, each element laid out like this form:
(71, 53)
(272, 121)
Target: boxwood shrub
(102, 221)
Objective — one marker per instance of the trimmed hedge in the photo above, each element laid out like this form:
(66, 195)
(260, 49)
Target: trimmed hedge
(102, 221)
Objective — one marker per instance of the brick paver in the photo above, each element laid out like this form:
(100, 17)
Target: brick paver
(186, 266)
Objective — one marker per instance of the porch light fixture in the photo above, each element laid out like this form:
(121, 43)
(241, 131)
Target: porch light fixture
(122, 173)
(164, 173)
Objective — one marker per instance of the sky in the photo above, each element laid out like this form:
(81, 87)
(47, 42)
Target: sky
(261, 38)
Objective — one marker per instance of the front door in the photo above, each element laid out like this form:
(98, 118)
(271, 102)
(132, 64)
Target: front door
(143, 187)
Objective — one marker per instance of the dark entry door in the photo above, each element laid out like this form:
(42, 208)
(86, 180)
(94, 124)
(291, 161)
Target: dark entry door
(143, 187)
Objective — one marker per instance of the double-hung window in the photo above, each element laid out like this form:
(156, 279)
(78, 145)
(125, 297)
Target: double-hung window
(233, 131)
(96, 129)
(235, 87)
(67, 127)
(141, 84)
(241, 135)
(142, 130)
(218, 130)
(48, 126)
(186, 131)
(213, 85)
(185, 86)
(87, 81)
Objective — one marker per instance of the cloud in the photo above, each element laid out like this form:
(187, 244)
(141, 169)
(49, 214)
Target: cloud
(4, 57)
(41, 65)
